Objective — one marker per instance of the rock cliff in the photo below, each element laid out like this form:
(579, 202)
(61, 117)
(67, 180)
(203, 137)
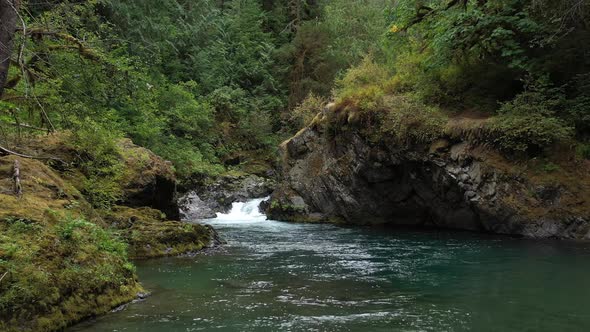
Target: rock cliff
(445, 184)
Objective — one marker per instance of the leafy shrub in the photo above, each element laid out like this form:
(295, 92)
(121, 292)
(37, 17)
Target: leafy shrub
(369, 98)
(184, 115)
(67, 230)
(550, 167)
(367, 73)
(187, 158)
(100, 161)
(409, 120)
(20, 225)
(307, 110)
(528, 132)
(578, 109)
(583, 150)
(528, 122)
(362, 88)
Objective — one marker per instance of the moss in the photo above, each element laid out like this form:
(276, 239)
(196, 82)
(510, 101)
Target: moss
(60, 270)
(60, 260)
(142, 164)
(559, 169)
(150, 235)
(42, 187)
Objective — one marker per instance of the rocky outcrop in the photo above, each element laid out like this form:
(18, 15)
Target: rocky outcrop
(446, 184)
(150, 235)
(208, 199)
(150, 180)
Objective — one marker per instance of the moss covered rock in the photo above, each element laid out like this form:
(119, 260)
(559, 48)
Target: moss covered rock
(62, 259)
(149, 180)
(150, 235)
(58, 264)
(145, 179)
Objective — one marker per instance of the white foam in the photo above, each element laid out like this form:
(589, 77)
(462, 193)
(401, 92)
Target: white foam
(243, 212)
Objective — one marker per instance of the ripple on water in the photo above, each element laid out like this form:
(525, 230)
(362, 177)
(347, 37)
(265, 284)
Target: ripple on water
(291, 277)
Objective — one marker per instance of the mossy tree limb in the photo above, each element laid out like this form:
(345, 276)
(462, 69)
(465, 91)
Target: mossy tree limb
(5, 151)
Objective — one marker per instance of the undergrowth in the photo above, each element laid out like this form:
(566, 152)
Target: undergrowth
(58, 271)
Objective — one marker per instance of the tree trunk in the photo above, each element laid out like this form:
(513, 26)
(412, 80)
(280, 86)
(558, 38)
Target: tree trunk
(296, 7)
(8, 18)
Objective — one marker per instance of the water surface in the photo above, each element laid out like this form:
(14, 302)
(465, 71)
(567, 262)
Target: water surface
(274, 276)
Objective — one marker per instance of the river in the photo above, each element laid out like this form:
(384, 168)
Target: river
(275, 276)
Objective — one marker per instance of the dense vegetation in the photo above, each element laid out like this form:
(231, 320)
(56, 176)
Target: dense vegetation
(207, 85)
(211, 85)
(214, 86)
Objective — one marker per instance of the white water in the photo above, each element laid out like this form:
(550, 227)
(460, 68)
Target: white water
(243, 212)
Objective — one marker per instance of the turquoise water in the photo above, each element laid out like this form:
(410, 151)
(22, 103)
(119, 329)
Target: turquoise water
(274, 276)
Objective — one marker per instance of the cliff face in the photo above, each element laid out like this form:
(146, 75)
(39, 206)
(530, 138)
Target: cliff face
(456, 185)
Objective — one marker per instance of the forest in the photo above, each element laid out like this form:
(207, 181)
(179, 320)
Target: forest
(215, 86)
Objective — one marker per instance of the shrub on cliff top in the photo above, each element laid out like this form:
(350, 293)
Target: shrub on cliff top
(409, 120)
(368, 95)
(363, 86)
(529, 122)
(304, 113)
(528, 132)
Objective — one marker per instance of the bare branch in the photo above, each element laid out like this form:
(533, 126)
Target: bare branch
(7, 151)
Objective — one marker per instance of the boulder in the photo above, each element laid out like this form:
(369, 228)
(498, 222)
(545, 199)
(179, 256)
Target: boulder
(150, 180)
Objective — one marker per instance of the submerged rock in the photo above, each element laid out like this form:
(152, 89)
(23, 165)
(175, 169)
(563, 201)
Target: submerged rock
(352, 179)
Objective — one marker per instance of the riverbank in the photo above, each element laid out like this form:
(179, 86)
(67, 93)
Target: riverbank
(63, 255)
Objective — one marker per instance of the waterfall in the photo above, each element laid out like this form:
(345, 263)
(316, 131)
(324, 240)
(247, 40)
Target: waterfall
(243, 211)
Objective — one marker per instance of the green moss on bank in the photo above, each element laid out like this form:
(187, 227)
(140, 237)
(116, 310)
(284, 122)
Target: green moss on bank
(58, 270)
(149, 235)
(63, 259)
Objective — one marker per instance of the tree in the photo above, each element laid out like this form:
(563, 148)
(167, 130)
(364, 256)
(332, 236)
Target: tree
(8, 17)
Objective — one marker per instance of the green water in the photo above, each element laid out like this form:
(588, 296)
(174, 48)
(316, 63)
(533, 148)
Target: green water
(274, 276)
